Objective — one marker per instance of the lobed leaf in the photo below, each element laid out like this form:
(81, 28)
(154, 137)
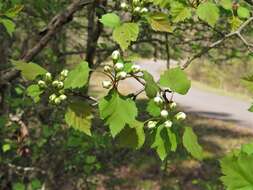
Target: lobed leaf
(176, 80)
(78, 77)
(79, 116)
(29, 70)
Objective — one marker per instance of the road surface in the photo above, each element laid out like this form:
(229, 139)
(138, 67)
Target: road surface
(203, 102)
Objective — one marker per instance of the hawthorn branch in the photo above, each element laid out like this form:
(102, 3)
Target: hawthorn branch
(220, 41)
(51, 30)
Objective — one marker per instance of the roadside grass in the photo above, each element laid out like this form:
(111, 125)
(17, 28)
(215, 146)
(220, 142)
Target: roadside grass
(223, 78)
(142, 170)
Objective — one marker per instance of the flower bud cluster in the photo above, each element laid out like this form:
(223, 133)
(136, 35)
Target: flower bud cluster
(55, 87)
(136, 7)
(167, 115)
(118, 70)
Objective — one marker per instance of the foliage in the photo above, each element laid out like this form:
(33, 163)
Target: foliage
(237, 168)
(60, 94)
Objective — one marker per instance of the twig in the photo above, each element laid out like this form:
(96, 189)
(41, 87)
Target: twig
(217, 43)
(52, 28)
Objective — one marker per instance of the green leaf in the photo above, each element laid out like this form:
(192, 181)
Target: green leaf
(161, 3)
(161, 142)
(78, 77)
(132, 136)
(79, 116)
(36, 184)
(180, 12)
(160, 22)
(117, 111)
(29, 70)
(191, 144)
(9, 25)
(226, 4)
(18, 186)
(237, 171)
(34, 92)
(173, 140)
(251, 108)
(125, 34)
(235, 23)
(110, 20)
(13, 12)
(209, 13)
(6, 147)
(153, 109)
(243, 12)
(151, 88)
(176, 80)
(247, 148)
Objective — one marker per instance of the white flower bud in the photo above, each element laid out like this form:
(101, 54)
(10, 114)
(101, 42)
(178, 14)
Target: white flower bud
(121, 75)
(63, 97)
(64, 73)
(180, 116)
(106, 84)
(173, 105)
(52, 97)
(137, 9)
(42, 84)
(57, 101)
(48, 77)
(123, 5)
(144, 10)
(115, 55)
(152, 124)
(164, 113)
(158, 100)
(136, 68)
(60, 85)
(119, 66)
(107, 68)
(55, 83)
(168, 124)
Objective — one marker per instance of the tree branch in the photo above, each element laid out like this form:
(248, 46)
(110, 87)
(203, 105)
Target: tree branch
(220, 41)
(52, 28)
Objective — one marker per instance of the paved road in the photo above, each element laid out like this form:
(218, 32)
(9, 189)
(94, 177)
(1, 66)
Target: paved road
(204, 103)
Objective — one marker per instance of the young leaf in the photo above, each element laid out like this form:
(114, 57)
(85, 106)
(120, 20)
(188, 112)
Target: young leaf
(79, 116)
(243, 12)
(173, 140)
(235, 23)
(117, 111)
(237, 171)
(226, 4)
(161, 143)
(29, 70)
(209, 13)
(160, 22)
(78, 77)
(153, 109)
(132, 136)
(18, 186)
(9, 25)
(180, 12)
(34, 92)
(110, 20)
(176, 80)
(125, 34)
(151, 88)
(191, 144)
(161, 3)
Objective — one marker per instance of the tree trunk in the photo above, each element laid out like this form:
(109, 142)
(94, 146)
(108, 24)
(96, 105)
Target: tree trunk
(4, 56)
(94, 30)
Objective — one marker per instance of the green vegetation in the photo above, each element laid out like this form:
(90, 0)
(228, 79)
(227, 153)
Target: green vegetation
(66, 122)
